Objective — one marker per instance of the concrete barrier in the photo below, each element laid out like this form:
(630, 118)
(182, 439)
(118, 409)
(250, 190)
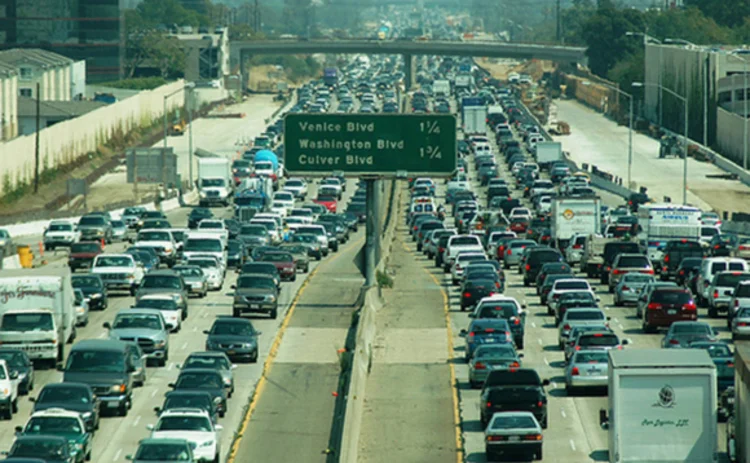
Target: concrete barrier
(11, 263)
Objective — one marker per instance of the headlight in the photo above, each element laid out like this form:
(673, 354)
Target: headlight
(95, 296)
(168, 250)
(4, 392)
(247, 345)
(177, 297)
(86, 415)
(202, 194)
(208, 443)
(270, 298)
(119, 388)
(228, 381)
(160, 344)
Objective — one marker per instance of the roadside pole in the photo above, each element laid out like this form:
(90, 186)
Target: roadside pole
(377, 206)
(371, 232)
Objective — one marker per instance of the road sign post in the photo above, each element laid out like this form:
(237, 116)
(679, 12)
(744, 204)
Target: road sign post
(370, 144)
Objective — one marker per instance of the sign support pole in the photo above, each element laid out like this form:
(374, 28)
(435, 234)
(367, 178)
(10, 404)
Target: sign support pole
(377, 198)
(371, 234)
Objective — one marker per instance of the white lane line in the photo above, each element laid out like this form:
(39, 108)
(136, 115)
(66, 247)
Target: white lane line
(117, 455)
(204, 315)
(533, 325)
(153, 393)
(572, 445)
(616, 320)
(554, 385)
(171, 365)
(622, 328)
(607, 307)
(195, 328)
(137, 420)
(546, 362)
(184, 346)
(102, 336)
(540, 341)
(562, 412)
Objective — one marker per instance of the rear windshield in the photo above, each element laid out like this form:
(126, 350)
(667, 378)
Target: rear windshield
(571, 285)
(743, 291)
(544, 256)
(463, 240)
(598, 339)
(514, 395)
(633, 262)
(731, 279)
(613, 249)
(671, 297)
(584, 315)
(514, 422)
(590, 357)
(519, 376)
(505, 309)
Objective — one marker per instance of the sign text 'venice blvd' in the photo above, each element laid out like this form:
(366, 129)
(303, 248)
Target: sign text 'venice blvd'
(362, 144)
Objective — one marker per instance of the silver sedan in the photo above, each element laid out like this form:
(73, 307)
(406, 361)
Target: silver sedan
(491, 357)
(741, 324)
(586, 369)
(630, 286)
(511, 434)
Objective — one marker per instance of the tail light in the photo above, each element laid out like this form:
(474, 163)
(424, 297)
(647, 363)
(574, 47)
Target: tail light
(577, 246)
(566, 327)
(440, 250)
(649, 271)
(682, 272)
(674, 341)
(736, 303)
(497, 285)
(743, 248)
(617, 272)
(480, 366)
(496, 438)
(533, 437)
(515, 320)
(415, 228)
(578, 347)
(691, 307)
(489, 404)
(741, 324)
(516, 365)
(458, 267)
(716, 294)
(716, 246)
(471, 335)
(489, 330)
(730, 365)
(653, 306)
(666, 258)
(625, 288)
(575, 371)
(528, 267)
(467, 294)
(540, 404)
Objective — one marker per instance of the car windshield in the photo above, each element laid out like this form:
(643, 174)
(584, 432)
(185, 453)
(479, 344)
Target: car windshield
(84, 248)
(184, 423)
(690, 328)
(43, 449)
(93, 221)
(158, 304)
(253, 230)
(203, 245)
(499, 309)
(13, 359)
(201, 361)
(513, 422)
(566, 285)
(212, 182)
(27, 322)
(590, 357)
(598, 339)
(137, 321)
(161, 282)
(154, 236)
(53, 425)
(95, 361)
(162, 452)
(189, 380)
(743, 313)
(85, 281)
(188, 272)
(234, 329)
(60, 227)
(254, 282)
(113, 261)
(187, 400)
(495, 352)
(211, 225)
(203, 263)
(464, 240)
(277, 257)
(72, 395)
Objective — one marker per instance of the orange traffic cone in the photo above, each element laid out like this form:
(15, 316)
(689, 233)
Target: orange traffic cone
(41, 253)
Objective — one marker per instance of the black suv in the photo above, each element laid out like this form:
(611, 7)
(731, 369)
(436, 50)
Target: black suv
(611, 251)
(514, 389)
(535, 260)
(674, 252)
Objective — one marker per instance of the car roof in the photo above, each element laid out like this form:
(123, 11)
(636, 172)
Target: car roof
(100, 344)
(136, 311)
(56, 412)
(182, 411)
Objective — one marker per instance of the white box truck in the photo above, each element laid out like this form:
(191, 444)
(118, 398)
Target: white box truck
(574, 215)
(37, 311)
(214, 181)
(659, 223)
(662, 406)
(548, 152)
(474, 120)
(464, 81)
(441, 88)
(738, 431)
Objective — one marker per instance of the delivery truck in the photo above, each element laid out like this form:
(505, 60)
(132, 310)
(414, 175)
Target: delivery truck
(572, 216)
(474, 120)
(442, 88)
(659, 223)
(214, 181)
(548, 152)
(37, 312)
(662, 406)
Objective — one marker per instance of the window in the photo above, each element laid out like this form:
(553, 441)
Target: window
(725, 97)
(25, 92)
(25, 73)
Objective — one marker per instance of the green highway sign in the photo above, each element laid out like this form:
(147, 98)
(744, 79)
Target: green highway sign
(370, 144)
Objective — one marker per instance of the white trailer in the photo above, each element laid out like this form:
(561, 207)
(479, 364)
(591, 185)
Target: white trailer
(659, 223)
(37, 311)
(548, 152)
(474, 119)
(738, 442)
(662, 406)
(572, 216)
(214, 181)
(441, 88)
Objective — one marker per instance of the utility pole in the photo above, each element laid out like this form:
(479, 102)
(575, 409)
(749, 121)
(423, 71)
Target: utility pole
(558, 22)
(256, 17)
(36, 139)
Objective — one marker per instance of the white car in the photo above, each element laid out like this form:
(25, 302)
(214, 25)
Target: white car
(82, 307)
(165, 303)
(60, 233)
(567, 285)
(160, 240)
(286, 198)
(118, 271)
(334, 183)
(8, 389)
(265, 169)
(195, 426)
(302, 213)
(520, 212)
(278, 207)
(214, 227)
(211, 268)
(462, 260)
(297, 187)
(271, 227)
(574, 251)
(711, 218)
(201, 244)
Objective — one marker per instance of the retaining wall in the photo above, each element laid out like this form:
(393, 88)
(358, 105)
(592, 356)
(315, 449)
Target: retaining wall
(67, 141)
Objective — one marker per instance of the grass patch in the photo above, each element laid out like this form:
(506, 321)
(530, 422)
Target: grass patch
(383, 280)
(137, 83)
(295, 67)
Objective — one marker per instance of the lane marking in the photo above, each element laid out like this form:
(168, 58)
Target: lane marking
(546, 361)
(540, 341)
(184, 346)
(117, 455)
(273, 352)
(137, 420)
(562, 412)
(153, 393)
(452, 369)
(533, 325)
(170, 366)
(572, 445)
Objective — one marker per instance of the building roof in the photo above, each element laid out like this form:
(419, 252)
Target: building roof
(660, 358)
(7, 70)
(17, 56)
(64, 109)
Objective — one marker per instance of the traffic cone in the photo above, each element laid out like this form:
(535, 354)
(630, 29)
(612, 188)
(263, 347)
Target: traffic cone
(41, 253)
(102, 241)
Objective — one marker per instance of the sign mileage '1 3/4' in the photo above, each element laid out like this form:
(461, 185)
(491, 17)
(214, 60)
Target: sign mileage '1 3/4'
(357, 144)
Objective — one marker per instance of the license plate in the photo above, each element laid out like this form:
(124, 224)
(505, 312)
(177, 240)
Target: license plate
(672, 312)
(255, 306)
(230, 352)
(489, 339)
(514, 438)
(112, 405)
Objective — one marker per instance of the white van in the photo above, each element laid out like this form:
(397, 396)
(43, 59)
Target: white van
(713, 265)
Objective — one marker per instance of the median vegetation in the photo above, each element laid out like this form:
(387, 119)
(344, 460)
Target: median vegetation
(296, 68)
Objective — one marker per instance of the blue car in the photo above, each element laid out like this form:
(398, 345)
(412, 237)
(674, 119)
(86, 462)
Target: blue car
(486, 331)
(723, 358)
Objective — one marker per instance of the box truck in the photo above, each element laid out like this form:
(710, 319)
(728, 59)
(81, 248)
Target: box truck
(659, 223)
(574, 215)
(738, 431)
(214, 181)
(474, 120)
(37, 312)
(441, 88)
(548, 152)
(662, 406)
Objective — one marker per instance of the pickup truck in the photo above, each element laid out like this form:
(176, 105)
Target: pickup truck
(457, 244)
(516, 389)
(82, 254)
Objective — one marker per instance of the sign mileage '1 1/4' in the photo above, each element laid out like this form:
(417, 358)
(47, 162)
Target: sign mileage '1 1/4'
(362, 144)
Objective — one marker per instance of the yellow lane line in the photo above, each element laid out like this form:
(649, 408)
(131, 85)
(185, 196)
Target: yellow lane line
(273, 352)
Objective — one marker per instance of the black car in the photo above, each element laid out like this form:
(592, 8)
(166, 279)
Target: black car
(675, 251)
(534, 261)
(472, 291)
(611, 251)
(236, 253)
(723, 245)
(18, 361)
(75, 397)
(48, 448)
(198, 214)
(236, 337)
(207, 380)
(93, 289)
(688, 266)
(551, 268)
(514, 390)
(255, 293)
(189, 398)
(509, 310)
(263, 268)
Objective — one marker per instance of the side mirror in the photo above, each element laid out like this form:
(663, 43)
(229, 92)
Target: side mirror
(171, 385)
(19, 429)
(32, 399)
(157, 410)
(545, 382)
(107, 325)
(603, 419)
(598, 299)
(609, 318)
(520, 356)
(234, 366)
(233, 286)
(206, 332)
(472, 315)
(150, 427)
(523, 306)
(59, 367)
(129, 457)
(258, 333)
(625, 342)
(462, 333)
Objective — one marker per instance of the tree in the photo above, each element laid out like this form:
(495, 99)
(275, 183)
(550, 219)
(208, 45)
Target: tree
(168, 56)
(605, 35)
(725, 12)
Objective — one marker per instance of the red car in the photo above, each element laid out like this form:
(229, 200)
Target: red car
(329, 202)
(519, 225)
(284, 263)
(82, 254)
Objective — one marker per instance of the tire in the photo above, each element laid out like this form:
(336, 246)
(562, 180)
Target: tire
(519, 345)
(455, 281)
(162, 361)
(647, 329)
(123, 410)
(713, 313)
(8, 414)
(294, 278)
(273, 314)
(538, 454)
(14, 406)
(544, 422)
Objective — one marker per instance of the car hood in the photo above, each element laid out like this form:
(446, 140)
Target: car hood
(135, 333)
(231, 339)
(254, 292)
(76, 407)
(95, 379)
(113, 270)
(193, 436)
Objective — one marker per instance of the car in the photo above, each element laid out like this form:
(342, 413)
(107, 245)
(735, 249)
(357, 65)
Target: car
(666, 306)
(629, 287)
(645, 293)
(490, 357)
(508, 308)
(218, 360)
(195, 279)
(255, 293)
(683, 333)
(301, 255)
(579, 317)
(160, 241)
(236, 337)
(206, 379)
(8, 390)
(537, 257)
(721, 289)
(188, 398)
(197, 214)
(42, 446)
(513, 434)
(462, 260)
(170, 309)
(723, 358)
(193, 425)
(545, 286)
(19, 364)
(147, 327)
(688, 266)
(596, 341)
(163, 451)
(566, 285)
(710, 266)
(75, 397)
(478, 287)
(62, 423)
(81, 308)
(586, 369)
(118, 271)
(625, 263)
(741, 324)
(486, 331)
(514, 389)
(132, 215)
(95, 228)
(284, 263)
(82, 254)
(211, 268)
(93, 289)
(60, 233)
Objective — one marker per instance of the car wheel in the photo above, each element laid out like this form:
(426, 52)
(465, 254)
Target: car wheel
(294, 278)
(544, 423)
(519, 345)
(14, 406)
(123, 410)
(272, 314)
(162, 361)
(712, 312)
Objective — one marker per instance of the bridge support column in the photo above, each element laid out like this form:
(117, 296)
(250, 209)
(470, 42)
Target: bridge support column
(409, 71)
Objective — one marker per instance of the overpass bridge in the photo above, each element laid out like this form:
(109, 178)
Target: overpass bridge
(239, 50)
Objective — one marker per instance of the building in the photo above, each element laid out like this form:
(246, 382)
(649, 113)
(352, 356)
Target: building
(50, 112)
(90, 30)
(206, 56)
(8, 102)
(51, 72)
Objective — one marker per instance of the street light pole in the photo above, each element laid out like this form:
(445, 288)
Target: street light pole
(190, 136)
